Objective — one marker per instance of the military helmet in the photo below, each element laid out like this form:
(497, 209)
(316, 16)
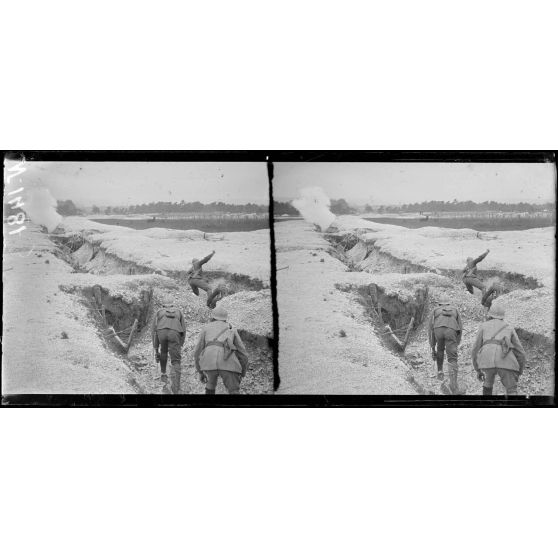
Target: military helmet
(497, 310)
(220, 314)
(444, 299)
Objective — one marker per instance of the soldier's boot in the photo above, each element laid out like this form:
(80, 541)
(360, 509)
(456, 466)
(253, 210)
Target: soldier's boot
(440, 368)
(209, 391)
(175, 379)
(440, 365)
(486, 391)
(212, 298)
(164, 377)
(454, 386)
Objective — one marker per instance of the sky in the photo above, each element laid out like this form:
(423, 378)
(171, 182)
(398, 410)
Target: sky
(131, 183)
(398, 183)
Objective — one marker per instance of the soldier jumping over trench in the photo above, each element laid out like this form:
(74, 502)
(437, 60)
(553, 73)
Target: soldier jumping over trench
(469, 274)
(168, 332)
(196, 281)
(444, 333)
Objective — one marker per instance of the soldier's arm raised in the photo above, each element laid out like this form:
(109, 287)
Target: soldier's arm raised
(481, 257)
(207, 258)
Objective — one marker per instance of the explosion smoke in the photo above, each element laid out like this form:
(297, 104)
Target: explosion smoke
(40, 207)
(313, 205)
(36, 201)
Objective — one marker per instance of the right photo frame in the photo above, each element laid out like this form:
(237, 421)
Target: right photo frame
(416, 275)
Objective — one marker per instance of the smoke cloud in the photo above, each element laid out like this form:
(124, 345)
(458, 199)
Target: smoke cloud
(40, 207)
(313, 205)
(24, 191)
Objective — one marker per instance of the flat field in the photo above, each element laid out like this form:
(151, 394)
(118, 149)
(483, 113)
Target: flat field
(477, 224)
(205, 224)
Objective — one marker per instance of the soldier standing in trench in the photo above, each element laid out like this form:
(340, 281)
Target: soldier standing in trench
(196, 280)
(444, 333)
(469, 274)
(497, 351)
(168, 331)
(220, 352)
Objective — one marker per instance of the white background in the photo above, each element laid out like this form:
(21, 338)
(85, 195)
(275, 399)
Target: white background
(289, 75)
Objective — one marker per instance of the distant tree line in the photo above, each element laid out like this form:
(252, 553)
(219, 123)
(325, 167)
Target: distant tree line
(341, 207)
(284, 208)
(440, 206)
(189, 207)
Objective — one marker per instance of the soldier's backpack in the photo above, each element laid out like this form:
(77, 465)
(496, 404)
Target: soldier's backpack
(168, 312)
(229, 347)
(502, 342)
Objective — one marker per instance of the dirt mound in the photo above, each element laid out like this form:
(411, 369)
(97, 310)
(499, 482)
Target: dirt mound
(166, 251)
(51, 343)
(447, 249)
(250, 312)
(392, 267)
(532, 312)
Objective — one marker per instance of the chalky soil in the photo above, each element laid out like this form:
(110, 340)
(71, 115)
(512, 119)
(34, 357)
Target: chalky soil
(79, 308)
(354, 305)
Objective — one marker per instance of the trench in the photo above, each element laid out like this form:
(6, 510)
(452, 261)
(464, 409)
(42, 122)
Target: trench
(365, 256)
(113, 313)
(403, 317)
(381, 309)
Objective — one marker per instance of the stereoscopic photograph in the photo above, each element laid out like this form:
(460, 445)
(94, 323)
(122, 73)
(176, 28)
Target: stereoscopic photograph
(136, 277)
(419, 280)
(422, 279)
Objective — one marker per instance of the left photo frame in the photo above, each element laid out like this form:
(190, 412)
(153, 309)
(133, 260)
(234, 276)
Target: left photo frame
(136, 278)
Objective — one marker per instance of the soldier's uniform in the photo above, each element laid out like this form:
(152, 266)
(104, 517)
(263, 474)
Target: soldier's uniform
(197, 282)
(469, 274)
(444, 332)
(497, 351)
(491, 294)
(220, 352)
(169, 332)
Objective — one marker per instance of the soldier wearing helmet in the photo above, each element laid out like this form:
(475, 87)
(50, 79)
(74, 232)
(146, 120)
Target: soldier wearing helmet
(168, 332)
(220, 353)
(469, 273)
(197, 281)
(497, 351)
(444, 333)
